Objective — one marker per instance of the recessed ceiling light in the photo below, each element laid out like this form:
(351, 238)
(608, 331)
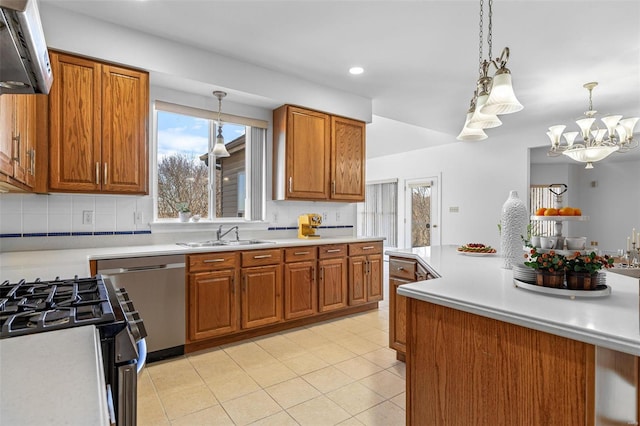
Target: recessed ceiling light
(356, 70)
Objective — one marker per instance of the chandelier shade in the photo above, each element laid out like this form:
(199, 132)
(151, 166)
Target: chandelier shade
(219, 149)
(493, 95)
(597, 143)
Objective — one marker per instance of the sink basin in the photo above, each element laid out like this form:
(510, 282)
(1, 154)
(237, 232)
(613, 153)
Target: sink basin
(211, 243)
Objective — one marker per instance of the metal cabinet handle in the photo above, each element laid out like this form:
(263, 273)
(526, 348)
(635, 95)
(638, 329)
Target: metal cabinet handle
(290, 184)
(97, 173)
(262, 256)
(368, 247)
(313, 274)
(16, 152)
(334, 250)
(105, 173)
(300, 253)
(233, 287)
(321, 274)
(400, 268)
(333, 186)
(33, 162)
(212, 260)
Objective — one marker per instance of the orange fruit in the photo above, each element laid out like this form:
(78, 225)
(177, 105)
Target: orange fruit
(577, 212)
(540, 211)
(566, 211)
(551, 212)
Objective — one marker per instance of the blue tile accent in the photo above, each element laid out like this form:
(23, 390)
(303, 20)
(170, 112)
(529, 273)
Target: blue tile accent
(142, 232)
(104, 233)
(124, 233)
(59, 234)
(77, 234)
(35, 234)
(10, 235)
(74, 234)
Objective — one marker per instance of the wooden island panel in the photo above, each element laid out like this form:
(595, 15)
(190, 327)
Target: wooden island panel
(467, 369)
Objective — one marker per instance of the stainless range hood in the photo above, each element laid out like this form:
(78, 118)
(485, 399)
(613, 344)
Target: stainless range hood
(24, 59)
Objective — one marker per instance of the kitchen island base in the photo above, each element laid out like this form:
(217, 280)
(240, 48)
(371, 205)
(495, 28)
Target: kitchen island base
(464, 368)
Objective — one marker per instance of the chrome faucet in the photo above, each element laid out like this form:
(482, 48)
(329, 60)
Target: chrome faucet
(221, 234)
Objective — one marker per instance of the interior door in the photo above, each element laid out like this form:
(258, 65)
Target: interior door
(422, 227)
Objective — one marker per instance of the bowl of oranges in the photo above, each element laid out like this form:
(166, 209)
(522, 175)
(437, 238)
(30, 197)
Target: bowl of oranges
(562, 211)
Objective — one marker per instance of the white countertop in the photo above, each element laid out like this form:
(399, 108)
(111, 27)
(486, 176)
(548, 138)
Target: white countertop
(49, 264)
(481, 286)
(53, 378)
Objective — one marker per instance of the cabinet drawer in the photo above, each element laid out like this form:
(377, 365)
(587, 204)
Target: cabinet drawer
(212, 261)
(405, 269)
(261, 257)
(365, 248)
(332, 250)
(298, 254)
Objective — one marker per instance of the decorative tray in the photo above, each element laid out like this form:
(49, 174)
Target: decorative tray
(601, 290)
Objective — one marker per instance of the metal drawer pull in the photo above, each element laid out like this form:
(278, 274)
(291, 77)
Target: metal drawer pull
(400, 268)
(262, 256)
(105, 173)
(212, 260)
(368, 248)
(299, 253)
(334, 250)
(290, 184)
(98, 173)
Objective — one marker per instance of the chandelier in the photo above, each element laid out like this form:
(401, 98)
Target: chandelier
(493, 95)
(597, 144)
(219, 150)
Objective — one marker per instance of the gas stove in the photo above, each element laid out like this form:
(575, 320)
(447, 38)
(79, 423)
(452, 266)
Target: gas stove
(41, 306)
(31, 307)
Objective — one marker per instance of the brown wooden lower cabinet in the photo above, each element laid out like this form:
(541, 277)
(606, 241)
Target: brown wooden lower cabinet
(237, 295)
(465, 369)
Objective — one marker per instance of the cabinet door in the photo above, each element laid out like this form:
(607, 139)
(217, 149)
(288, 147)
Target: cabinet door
(308, 151)
(300, 290)
(397, 317)
(333, 284)
(261, 296)
(213, 304)
(357, 280)
(7, 125)
(25, 129)
(374, 278)
(75, 124)
(347, 159)
(124, 130)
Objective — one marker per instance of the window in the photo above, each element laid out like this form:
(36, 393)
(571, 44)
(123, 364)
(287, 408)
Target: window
(378, 214)
(188, 175)
(540, 196)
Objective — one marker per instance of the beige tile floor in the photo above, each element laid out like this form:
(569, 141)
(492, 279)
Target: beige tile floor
(338, 372)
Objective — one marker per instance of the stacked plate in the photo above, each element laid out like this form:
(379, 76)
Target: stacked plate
(524, 273)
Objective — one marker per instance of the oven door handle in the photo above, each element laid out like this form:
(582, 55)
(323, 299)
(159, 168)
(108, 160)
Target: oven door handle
(142, 355)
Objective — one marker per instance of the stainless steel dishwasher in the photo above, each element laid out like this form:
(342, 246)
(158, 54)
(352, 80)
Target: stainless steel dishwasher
(156, 286)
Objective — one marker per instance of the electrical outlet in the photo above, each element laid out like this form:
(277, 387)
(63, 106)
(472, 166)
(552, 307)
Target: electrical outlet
(138, 218)
(275, 218)
(325, 215)
(87, 217)
(454, 209)
(338, 217)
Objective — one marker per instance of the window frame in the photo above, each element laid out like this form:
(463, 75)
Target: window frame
(212, 117)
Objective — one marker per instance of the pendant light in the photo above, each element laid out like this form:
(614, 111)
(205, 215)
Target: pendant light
(493, 95)
(219, 150)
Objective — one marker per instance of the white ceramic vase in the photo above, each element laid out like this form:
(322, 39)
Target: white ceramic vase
(184, 216)
(514, 226)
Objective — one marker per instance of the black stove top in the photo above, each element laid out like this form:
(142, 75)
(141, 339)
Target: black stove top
(31, 307)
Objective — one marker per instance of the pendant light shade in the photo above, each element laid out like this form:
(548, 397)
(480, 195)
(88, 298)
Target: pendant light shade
(469, 134)
(219, 149)
(480, 120)
(502, 99)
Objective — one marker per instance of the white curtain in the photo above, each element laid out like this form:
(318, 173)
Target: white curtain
(256, 145)
(378, 216)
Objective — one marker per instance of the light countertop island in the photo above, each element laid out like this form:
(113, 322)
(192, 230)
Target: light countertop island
(481, 351)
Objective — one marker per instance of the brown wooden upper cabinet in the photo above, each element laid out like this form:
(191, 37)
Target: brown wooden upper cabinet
(317, 156)
(18, 142)
(98, 127)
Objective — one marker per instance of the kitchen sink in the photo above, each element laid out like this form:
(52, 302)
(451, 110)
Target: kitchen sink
(217, 243)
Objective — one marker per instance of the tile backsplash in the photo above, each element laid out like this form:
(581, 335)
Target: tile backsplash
(39, 215)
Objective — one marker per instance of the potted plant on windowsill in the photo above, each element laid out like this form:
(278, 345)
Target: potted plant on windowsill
(582, 270)
(184, 212)
(550, 267)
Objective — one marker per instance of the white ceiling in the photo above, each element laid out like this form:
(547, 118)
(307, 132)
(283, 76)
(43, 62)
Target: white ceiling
(420, 57)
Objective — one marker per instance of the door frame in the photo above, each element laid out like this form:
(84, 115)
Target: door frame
(436, 198)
